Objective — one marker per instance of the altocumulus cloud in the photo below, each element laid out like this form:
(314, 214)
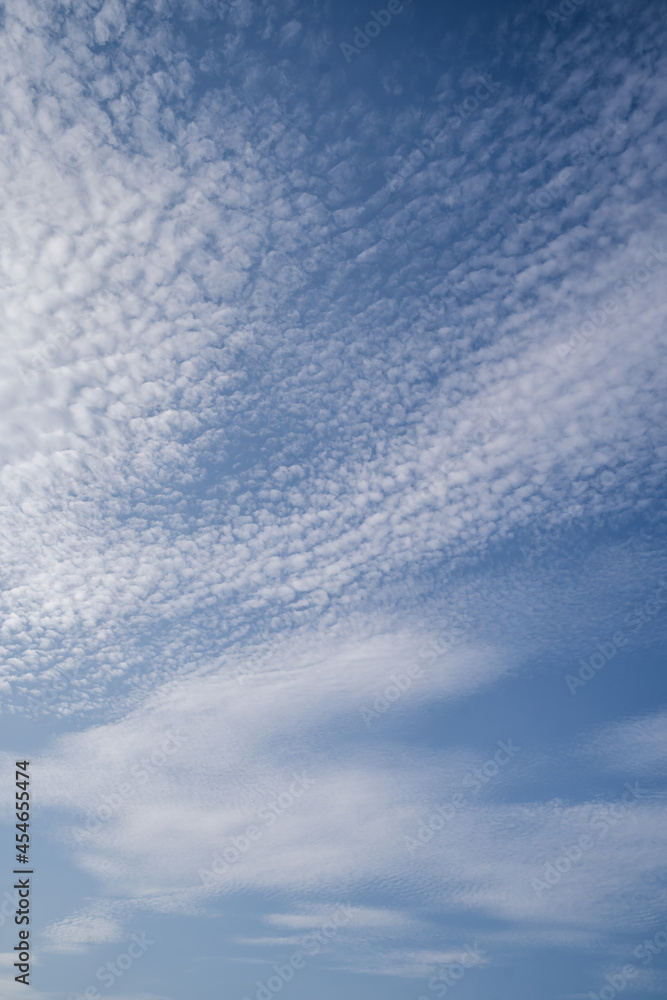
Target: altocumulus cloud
(267, 416)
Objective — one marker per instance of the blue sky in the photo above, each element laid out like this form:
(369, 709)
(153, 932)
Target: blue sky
(333, 477)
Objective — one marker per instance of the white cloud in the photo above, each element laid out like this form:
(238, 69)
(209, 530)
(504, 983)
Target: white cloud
(13, 990)
(634, 746)
(344, 825)
(420, 964)
(356, 916)
(246, 402)
(74, 934)
(151, 364)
